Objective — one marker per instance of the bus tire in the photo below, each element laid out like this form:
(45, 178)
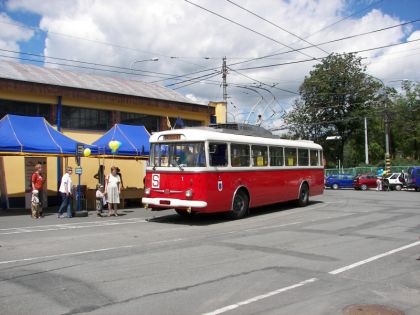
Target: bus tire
(303, 195)
(240, 205)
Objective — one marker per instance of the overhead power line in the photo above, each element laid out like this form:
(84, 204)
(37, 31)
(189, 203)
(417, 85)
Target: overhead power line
(260, 82)
(306, 60)
(328, 42)
(276, 54)
(83, 62)
(247, 28)
(277, 26)
(195, 82)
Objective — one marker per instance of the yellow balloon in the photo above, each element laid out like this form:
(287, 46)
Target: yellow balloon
(87, 152)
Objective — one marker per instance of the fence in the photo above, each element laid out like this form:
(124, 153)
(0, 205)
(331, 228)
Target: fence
(362, 170)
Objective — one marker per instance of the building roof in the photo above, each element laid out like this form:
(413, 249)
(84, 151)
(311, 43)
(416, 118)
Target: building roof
(79, 80)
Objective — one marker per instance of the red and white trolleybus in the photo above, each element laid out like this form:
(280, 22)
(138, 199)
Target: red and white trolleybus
(229, 168)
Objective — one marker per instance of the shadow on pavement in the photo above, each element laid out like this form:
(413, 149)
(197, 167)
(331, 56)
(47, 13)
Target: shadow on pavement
(202, 219)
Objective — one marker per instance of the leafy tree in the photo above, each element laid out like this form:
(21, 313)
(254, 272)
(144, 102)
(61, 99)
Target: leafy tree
(334, 98)
(404, 115)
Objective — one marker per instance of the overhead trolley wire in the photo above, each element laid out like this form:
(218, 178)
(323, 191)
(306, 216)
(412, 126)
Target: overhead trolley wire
(277, 26)
(306, 60)
(248, 28)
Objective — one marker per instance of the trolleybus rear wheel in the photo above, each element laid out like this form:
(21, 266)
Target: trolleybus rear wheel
(303, 195)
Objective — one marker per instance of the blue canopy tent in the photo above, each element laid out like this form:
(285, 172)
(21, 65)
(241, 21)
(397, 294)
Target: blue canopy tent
(134, 142)
(24, 135)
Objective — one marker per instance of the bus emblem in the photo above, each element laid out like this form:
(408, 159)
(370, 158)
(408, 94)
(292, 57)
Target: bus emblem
(219, 185)
(156, 181)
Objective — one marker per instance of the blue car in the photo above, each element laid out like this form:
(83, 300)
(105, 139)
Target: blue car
(413, 178)
(337, 181)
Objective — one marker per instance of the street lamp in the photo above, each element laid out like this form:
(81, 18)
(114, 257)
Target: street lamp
(137, 61)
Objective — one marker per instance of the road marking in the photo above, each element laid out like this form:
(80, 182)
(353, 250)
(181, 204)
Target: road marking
(359, 263)
(65, 254)
(68, 226)
(260, 297)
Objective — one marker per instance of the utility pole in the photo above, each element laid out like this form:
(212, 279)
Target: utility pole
(366, 144)
(386, 125)
(224, 73)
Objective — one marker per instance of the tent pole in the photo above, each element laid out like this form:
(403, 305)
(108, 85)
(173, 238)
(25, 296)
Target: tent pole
(4, 199)
(59, 168)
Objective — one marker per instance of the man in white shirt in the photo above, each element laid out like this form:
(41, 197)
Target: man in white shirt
(66, 193)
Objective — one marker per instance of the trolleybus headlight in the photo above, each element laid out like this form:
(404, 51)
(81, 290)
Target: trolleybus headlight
(147, 191)
(188, 193)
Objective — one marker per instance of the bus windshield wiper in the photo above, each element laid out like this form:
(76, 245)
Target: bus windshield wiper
(176, 163)
(154, 166)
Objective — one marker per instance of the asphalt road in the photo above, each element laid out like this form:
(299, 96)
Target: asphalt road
(347, 247)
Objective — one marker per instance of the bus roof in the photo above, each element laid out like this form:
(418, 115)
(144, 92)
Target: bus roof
(207, 133)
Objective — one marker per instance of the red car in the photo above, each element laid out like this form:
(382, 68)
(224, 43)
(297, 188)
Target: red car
(364, 182)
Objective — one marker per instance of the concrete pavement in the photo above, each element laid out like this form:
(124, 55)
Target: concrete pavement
(347, 247)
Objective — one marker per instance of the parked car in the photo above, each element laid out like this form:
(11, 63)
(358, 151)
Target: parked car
(413, 178)
(364, 182)
(394, 182)
(337, 181)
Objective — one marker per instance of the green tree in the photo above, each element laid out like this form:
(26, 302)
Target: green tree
(334, 98)
(404, 114)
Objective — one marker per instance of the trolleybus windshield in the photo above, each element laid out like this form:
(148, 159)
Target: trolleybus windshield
(179, 154)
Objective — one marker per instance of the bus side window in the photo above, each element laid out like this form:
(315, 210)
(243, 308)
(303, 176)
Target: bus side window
(259, 155)
(291, 156)
(314, 158)
(218, 154)
(240, 155)
(303, 157)
(276, 156)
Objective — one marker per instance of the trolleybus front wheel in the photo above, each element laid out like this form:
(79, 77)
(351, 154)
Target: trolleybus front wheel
(240, 205)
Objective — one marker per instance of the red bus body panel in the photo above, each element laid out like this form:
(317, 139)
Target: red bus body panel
(264, 186)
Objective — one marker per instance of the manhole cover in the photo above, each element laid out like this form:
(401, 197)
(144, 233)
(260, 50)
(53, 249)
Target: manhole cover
(370, 310)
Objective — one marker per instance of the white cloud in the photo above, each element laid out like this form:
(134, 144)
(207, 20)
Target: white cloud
(11, 33)
(166, 28)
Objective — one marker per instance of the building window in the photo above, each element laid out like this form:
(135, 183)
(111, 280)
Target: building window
(151, 123)
(85, 118)
(178, 123)
(25, 109)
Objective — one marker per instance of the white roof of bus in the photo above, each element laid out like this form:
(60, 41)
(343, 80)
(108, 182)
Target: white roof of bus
(197, 134)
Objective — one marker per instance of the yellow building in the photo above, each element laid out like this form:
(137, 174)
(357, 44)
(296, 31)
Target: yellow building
(83, 107)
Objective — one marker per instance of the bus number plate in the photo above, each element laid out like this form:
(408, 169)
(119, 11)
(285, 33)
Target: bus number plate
(155, 180)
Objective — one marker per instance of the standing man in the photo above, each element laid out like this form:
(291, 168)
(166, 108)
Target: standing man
(66, 193)
(38, 180)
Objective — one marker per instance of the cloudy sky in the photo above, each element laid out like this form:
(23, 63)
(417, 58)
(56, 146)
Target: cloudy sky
(190, 42)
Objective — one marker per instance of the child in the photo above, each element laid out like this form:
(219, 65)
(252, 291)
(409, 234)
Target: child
(35, 204)
(100, 199)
